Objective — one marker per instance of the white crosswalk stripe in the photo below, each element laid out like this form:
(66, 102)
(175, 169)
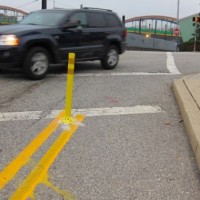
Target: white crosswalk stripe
(89, 112)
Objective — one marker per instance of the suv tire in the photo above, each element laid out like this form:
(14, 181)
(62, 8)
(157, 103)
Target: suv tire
(111, 58)
(36, 63)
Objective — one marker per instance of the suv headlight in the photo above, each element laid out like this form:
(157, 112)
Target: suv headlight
(9, 40)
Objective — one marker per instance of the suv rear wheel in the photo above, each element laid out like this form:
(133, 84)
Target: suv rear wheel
(36, 63)
(111, 58)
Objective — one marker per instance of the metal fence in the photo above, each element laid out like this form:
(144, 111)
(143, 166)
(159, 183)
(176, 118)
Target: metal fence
(136, 41)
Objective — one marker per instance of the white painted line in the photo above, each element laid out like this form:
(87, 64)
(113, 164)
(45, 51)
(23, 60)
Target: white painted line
(26, 115)
(122, 74)
(115, 74)
(108, 74)
(171, 64)
(89, 112)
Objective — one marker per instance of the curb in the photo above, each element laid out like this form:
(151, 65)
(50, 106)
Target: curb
(190, 113)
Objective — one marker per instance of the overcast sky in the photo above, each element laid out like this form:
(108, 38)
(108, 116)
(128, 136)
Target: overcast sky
(129, 8)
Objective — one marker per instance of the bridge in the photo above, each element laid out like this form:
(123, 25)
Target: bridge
(9, 15)
(152, 32)
(153, 25)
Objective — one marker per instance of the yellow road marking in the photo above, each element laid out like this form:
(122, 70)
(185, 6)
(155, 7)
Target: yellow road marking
(65, 194)
(16, 164)
(40, 173)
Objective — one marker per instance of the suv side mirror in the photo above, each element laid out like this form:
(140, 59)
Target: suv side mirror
(71, 24)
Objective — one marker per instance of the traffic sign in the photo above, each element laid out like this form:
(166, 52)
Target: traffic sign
(176, 31)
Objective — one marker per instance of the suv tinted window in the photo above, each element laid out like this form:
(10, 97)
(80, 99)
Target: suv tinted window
(96, 20)
(112, 21)
(44, 18)
(81, 17)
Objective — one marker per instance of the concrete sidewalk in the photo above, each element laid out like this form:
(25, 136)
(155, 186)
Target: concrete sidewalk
(187, 93)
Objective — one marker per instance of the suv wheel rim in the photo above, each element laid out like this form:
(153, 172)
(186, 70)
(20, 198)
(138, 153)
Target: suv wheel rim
(112, 57)
(39, 63)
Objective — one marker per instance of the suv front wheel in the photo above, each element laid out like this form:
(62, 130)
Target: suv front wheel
(111, 58)
(36, 63)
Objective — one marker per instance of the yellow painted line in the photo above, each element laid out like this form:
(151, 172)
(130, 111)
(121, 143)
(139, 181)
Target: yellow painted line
(65, 194)
(40, 173)
(23, 157)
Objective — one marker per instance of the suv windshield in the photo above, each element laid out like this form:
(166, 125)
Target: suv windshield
(44, 18)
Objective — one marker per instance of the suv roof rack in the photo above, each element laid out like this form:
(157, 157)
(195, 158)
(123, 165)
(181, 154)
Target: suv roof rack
(97, 9)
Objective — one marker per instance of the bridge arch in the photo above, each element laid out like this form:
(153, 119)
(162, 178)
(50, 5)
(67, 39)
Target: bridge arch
(9, 15)
(156, 25)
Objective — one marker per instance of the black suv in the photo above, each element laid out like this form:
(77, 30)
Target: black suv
(45, 38)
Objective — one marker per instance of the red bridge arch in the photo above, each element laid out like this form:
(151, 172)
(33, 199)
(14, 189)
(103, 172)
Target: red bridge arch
(15, 10)
(9, 15)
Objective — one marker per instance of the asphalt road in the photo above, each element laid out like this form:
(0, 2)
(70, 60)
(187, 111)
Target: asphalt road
(133, 144)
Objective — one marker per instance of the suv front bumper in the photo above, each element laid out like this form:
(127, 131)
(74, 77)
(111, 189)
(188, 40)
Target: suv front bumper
(10, 56)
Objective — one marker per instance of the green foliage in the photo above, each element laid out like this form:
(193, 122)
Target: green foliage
(189, 45)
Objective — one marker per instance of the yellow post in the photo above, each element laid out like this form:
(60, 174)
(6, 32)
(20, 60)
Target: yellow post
(69, 88)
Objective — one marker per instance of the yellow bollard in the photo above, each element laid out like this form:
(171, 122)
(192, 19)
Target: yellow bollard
(69, 90)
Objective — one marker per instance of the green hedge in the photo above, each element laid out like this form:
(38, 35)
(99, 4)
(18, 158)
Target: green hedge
(189, 45)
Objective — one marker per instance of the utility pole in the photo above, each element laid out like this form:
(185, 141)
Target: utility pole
(177, 24)
(196, 21)
(44, 4)
(178, 7)
(195, 37)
